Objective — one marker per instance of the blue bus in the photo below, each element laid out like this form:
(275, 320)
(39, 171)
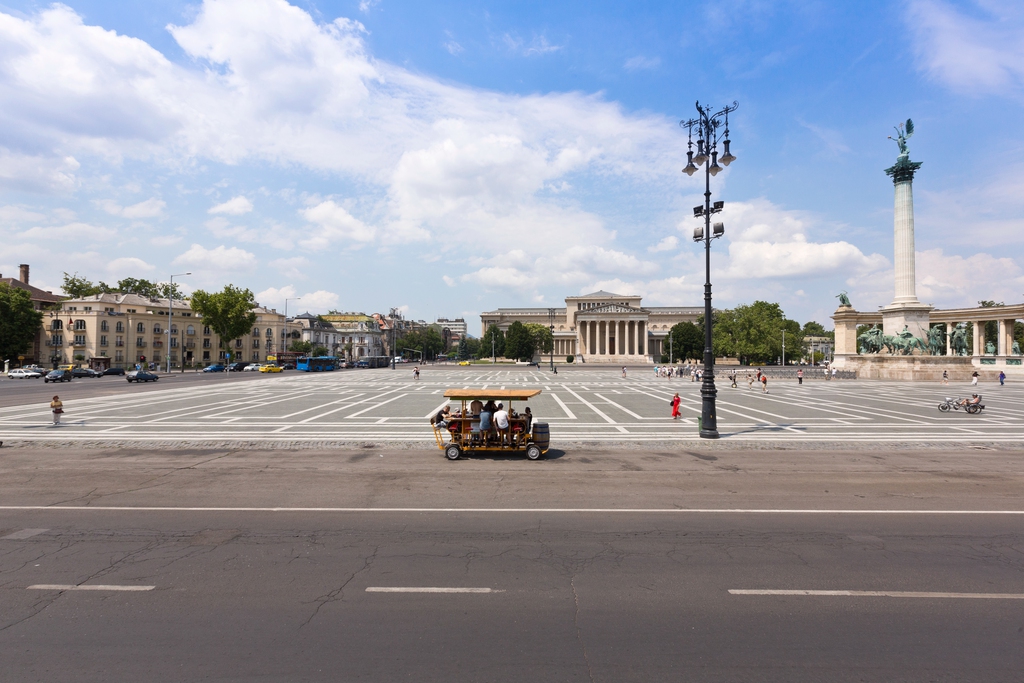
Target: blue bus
(317, 364)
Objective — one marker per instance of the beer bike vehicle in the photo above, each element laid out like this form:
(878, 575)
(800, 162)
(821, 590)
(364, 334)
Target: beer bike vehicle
(461, 433)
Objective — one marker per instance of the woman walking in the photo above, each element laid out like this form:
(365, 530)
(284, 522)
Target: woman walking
(675, 407)
(57, 408)
(945, 377)
(764, 384)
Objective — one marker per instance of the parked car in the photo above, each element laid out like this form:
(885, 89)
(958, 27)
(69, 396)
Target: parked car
(216, 367)
(114, 371)
(23, 373)
(464, 362)
(85, 372)
(141, 376)
(270, 367)
(236, 367)
(252, 367)
(35, 368)
(349, 364)
(58, 376)
(363, 364)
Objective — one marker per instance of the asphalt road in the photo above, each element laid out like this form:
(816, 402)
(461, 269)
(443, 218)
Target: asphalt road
(590, 566)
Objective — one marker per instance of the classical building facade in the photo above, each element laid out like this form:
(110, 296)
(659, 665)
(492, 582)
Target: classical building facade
(359, 335)
(602, 327)
(121, 330)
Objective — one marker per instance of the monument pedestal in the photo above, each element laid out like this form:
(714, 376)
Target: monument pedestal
(913, 315)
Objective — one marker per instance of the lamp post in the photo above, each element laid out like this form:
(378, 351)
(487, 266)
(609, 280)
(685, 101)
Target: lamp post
(170, 315)
(706, 125)
(394, 340)
(551, 325)
(783, 348)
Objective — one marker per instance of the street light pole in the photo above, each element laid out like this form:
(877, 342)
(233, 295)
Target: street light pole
(706, 125)
(170, 314)
(551, 324)
(783, 348)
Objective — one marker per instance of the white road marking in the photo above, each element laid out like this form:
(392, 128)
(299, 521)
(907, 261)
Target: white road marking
(560, 402)
(881, 594)
(23, 534)
(662, 511)
(428, 589)
(97, 587)
(375, 405)
(596, 409)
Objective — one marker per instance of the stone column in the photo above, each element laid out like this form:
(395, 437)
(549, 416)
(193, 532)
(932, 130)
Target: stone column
(604, 339)
(1001, 349)
(979, 332)
(903, 252)
(949, 335)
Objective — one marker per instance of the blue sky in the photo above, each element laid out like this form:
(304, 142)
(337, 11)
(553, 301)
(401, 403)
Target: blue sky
(453, 157)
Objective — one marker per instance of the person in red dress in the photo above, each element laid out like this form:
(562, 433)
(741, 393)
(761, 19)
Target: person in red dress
(675, 407)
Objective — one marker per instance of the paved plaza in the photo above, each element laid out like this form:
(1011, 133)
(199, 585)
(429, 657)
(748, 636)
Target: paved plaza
(584, 405)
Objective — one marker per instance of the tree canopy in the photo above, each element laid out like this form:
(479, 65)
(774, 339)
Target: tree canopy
(228, 312)
(77, 286)
(19, 321)
(687, 342)
(519, 343)
(498, 337)
(542, 338)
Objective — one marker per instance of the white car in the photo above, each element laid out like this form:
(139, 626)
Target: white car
(23, 373)
(251, 367)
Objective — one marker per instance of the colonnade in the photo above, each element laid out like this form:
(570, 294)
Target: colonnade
(565, 347)
(612, 337)
(1003, 341)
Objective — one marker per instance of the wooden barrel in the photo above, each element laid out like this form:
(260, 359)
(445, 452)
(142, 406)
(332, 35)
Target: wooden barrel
(541, 435)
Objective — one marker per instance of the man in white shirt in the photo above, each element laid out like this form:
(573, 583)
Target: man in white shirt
(501, 422)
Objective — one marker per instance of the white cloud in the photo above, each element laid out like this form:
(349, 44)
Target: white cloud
(319, 301)
(334, 224)
(15, 213)
(81, 232)
(36, 173)
(367, 5)
(666, 244)
(236, 206)
(954, 280)
(832, 139)
(128, 266)
(217, 259)
(768, 242)
(451, 44)
(150, 208)
(539, 45)
(295, 268)
(164, 240)
(979, 54)
(641, 62)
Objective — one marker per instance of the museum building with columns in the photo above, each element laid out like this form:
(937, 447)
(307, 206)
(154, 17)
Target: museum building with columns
(602, 327)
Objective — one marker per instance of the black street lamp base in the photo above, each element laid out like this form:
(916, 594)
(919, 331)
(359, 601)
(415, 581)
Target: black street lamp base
(709, 433)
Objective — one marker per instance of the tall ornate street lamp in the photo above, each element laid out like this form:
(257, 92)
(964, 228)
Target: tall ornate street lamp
(706, 126)
(551, 326)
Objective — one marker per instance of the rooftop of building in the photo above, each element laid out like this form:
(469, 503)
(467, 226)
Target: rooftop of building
(118, 298)
(34, 293)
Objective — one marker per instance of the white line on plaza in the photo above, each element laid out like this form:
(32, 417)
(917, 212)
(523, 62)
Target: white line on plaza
(98, 587)
(560, 402)
(623, 409)
(375, 405)
(428, 589)
(596, 410)
(23, 534)
(603, 511)
(880, 594)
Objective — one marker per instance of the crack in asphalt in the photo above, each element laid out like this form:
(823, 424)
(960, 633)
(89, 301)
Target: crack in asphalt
(338, 593)
(579, 632)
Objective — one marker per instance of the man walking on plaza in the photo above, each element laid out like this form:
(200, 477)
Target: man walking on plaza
(974, 378)
(1002, 378)
(800, 376)
(945, 377)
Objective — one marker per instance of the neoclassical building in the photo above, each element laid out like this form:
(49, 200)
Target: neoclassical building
(602, 327)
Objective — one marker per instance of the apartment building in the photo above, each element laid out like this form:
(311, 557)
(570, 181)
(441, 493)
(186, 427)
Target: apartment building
(359, 335)
(121, 330)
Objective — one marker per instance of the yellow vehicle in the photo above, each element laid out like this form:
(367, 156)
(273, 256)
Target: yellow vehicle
(269, 367)
(462, 432)
(464, 362)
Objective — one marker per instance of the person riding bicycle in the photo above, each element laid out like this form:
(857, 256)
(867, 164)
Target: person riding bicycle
(972, 401)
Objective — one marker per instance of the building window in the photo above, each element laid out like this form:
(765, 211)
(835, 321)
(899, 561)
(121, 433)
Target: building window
(140, 328)
(206, 343)
(223, 355)
(255, 331)
(139, 341)
(174, 342)
(206, 329)
(206, 355)
(156, 329)
(119, 327)
(57, 340)
(79, 340)
(119, 341)
(104, 326)
(174, 329)
(57, 325)
(255, 343)
(238, 343)
(103, 340)
(255, 355)
(119, 356)
(270, 333)
(190, 330)
(79, 324)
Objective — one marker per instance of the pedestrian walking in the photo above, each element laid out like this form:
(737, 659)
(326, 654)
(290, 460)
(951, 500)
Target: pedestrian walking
(764, 384)
(675, 407)
(57, 408)
(733, 378)
(1002, 378)
(623, 372)
(416, 372)
(759, 374)
(945, 377)
(835, 371)
(800, 376)
(974, 378)
(750, 381)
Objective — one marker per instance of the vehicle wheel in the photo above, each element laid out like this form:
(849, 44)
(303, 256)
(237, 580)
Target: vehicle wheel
(533, 452)
(452, 452)
(973, 410)
(944, 407)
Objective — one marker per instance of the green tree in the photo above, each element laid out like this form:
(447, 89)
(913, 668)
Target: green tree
(168, 290)
(463, 349)
(687, 342)
(76, 286)
(813, 329)
(228, 313)
(132, 285)
(541, 335)
(299, 346)
(495, 335)
(519, 342)
(756, 331)
(19, 321)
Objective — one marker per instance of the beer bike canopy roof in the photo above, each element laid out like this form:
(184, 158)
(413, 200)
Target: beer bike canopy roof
(492, 394)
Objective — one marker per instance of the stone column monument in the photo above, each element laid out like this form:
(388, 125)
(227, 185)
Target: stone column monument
(905, 310)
